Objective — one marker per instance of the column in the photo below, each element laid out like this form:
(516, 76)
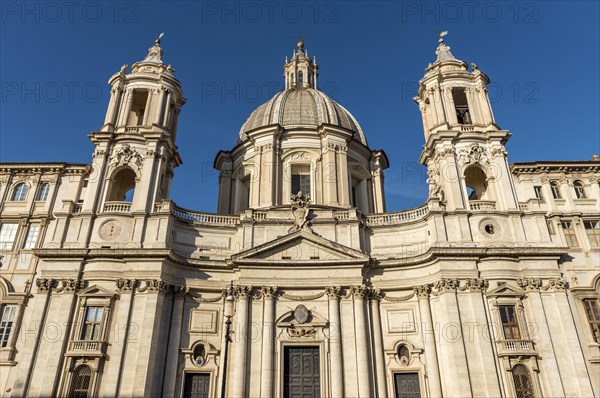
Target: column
(114, 368)
(125, 108)
(224, 205)
(431, 364)
(432, 111)
(32, 337)
(543, 342)
(268, 337)
(472, 103)
(171, 368)
(362, 342)
(48, 366)
(380, 371)
(480, 351)
(115, 99)
(241, 340)
(452, 351)
(439, 105)
(329, 174)
(342, 175)
(160, 107)
(165, 110)
(147, 108)
(572, 366)
(335, 342)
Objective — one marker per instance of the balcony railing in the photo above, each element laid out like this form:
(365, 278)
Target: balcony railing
(397, 218)
(482, 205)
(117, 207)
(86, 348)
(516, 345)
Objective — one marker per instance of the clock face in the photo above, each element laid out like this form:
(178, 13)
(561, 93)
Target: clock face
(301, 314)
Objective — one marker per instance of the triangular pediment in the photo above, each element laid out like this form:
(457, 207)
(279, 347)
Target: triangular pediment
(300, 247)
(95, 291)
(506, 290)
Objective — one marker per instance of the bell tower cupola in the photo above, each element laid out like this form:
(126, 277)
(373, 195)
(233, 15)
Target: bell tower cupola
(464, 148)
(300, 71)
(135, 151)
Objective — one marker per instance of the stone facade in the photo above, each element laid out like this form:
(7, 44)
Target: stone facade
(489, 289)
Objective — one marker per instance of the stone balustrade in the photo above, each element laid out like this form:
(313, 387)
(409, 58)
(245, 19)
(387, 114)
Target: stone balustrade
(117, 207)
(204, 218)
(482, 205)
(85, 348)
(516, 345)
(398, 217)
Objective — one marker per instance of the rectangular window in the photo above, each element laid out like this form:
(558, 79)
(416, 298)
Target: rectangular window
(92, 323)
(301, 180)
(569, 232)
(32, 237)
(593, 315)
(538, 193)
(592, 229)
(555, 190)
(8, 232)
(7, 318)
(510, 325)
(460, 104)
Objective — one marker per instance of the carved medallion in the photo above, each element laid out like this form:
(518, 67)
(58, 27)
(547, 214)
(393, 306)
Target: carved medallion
(301, 314)
(110, 230)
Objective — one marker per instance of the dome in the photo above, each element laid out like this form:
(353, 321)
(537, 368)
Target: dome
(302, 107)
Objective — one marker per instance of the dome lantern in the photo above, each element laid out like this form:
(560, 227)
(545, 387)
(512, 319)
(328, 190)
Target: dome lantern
(300, 71)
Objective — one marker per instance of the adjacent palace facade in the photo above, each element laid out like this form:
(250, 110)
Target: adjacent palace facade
(301, 285)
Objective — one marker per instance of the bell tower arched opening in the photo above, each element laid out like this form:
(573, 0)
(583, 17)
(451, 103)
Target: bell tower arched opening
(138, 108)
(476, 183)
(122, 187)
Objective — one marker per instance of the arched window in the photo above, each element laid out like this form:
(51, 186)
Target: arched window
(523, 386)
(555, 190)
(300, 79)
(80, 385)
(43, 190)
(476, 182)
(579, 190)
(123, 186)
(19, 193)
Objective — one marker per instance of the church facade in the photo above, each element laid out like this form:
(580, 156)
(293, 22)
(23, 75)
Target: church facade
(301, 285)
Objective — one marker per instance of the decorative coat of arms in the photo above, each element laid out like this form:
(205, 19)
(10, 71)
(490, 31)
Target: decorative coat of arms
(300, 212)
(128, 156)
(475, 154)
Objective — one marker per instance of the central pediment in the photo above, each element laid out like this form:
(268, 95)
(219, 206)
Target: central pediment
(300, 247)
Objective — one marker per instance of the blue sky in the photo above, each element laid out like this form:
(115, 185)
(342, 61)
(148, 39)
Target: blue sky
(56, 57)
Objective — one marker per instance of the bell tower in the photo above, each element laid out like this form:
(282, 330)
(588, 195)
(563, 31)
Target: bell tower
(464, 149)
(135, 151)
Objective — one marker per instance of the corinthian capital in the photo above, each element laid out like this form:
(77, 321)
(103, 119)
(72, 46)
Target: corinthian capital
(333, 292)
(422, 291)
(360, 291)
